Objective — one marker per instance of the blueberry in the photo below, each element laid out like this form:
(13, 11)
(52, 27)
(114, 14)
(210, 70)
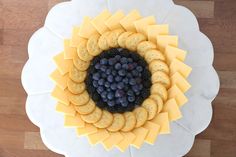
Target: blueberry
(103, 61)
(129, 75)
(122, 72)
(111, 61)
(105, 99)
(135, 88)
(145, 93)
(123, 60)
(125, 80)
(100, 89)
(117, 57)
(130, 66)
(103, 68)
(118, 78)
(125, 66)
(135, 73)
(130, 93)
(114, 73)
(138, 80)
(140, 86)
(120, 85)
(119, 93)
(113, 86)
(130, 60)
(108, 90)
(139, 68)
(135, 64)
(126, 88)
(132, 82)
(104, 94)
(111, 103)
(101, 82)
(95, 83)
(124, 103)
(110, 78)
(131, 98)
(107, 84)
(108, 71)
(110, 95)
(117, 66)
(96, 76)
(97, 66)
(104, 75)
(137, 93)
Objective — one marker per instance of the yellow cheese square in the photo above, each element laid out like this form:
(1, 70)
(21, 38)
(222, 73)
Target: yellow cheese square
(174, 52)
(152, 133)
(60, 95)
(67, 110)
(112, 140)
(154, 30)
(69, 52)
(173, 110)
(182, 68)
(180, 82)
(127, 140)
(86, 130)
(113, 22)
(99, 136)
(76, 39)
(163, 121)
(142, 24)
(140, 134)
(74, 121)
(60, 81)
(128, 21)
(86, 28)
(165, 40)
(99, 21)
(62, 64)
(175, 92)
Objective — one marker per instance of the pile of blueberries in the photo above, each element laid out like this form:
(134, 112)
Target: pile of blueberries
(118, 80)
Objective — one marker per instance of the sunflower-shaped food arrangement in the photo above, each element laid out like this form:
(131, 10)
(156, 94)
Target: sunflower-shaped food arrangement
(120, 79)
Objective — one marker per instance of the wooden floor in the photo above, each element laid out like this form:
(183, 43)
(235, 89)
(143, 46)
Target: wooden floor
(20, 18)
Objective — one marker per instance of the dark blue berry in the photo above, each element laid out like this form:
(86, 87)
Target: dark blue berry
(113, 86)
(97, 66)
(135, 88)
(118, 78)
(135, 73)
(117, 57)
(131, 98)
(124, 103)
(140, 86)
(119, 93)
(107, 84)
(110, 78)
(95, 83)
(139, 68)
(125, 66)
(123, 60)
(110, 95)
(104, 94)
(96, 76)
(111, 103)
(104, 75)
(101, 82)
(103, 61)
(138, 80)
(120, 85)
(117, 66)
(129, 75)
(100, 89)
(132, 82)
(130, 93)
(111, 61)
(108, 71)
(114, 72)
(103, 68)
(122, 72)
(130, 60)
(125, 80)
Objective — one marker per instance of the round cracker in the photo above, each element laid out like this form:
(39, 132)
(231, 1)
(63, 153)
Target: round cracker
(105, 121)
(76, 75)
(130, 121)
(79, 99)
(158, 65)
(159, 89)
(133, 40)
(80, 64)
(75, 88)
(87, 108)
(93, 117)
(122, 38)
(144, 46)
(83, 52)
(141, 115)
(158, 101)
(161, 77)
(92, 45)
(113, 37)
(118, 122)
(151, 107)
(153, 54)
(103, 41)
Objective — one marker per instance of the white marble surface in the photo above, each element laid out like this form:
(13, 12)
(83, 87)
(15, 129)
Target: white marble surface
(48, 41)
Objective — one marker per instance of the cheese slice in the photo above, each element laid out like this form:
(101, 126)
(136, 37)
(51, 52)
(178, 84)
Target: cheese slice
(113, 22)
(60, 81)
(76, 39)
(87, 29)
(163, 121)
(140, 134)
(100, 135)
(152, 133)
(69, 52)
(112, 140)
(180, 82)
(142, 24)
(63, 65)
(127, 140)
(127, 21)
(60, 95)
(74, 121)
(99, 21)
(67, 110)
(154, 30)
(173, 110)
(172, 52)
(182, 68)
(165, 40)
(86, 130)
(175, 92)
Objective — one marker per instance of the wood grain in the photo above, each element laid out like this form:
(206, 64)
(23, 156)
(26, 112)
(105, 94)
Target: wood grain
(19, 19)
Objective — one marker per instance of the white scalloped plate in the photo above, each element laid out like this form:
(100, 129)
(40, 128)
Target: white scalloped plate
(48, 41)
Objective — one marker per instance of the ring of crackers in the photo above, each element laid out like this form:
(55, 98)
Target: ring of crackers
(165, 62)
